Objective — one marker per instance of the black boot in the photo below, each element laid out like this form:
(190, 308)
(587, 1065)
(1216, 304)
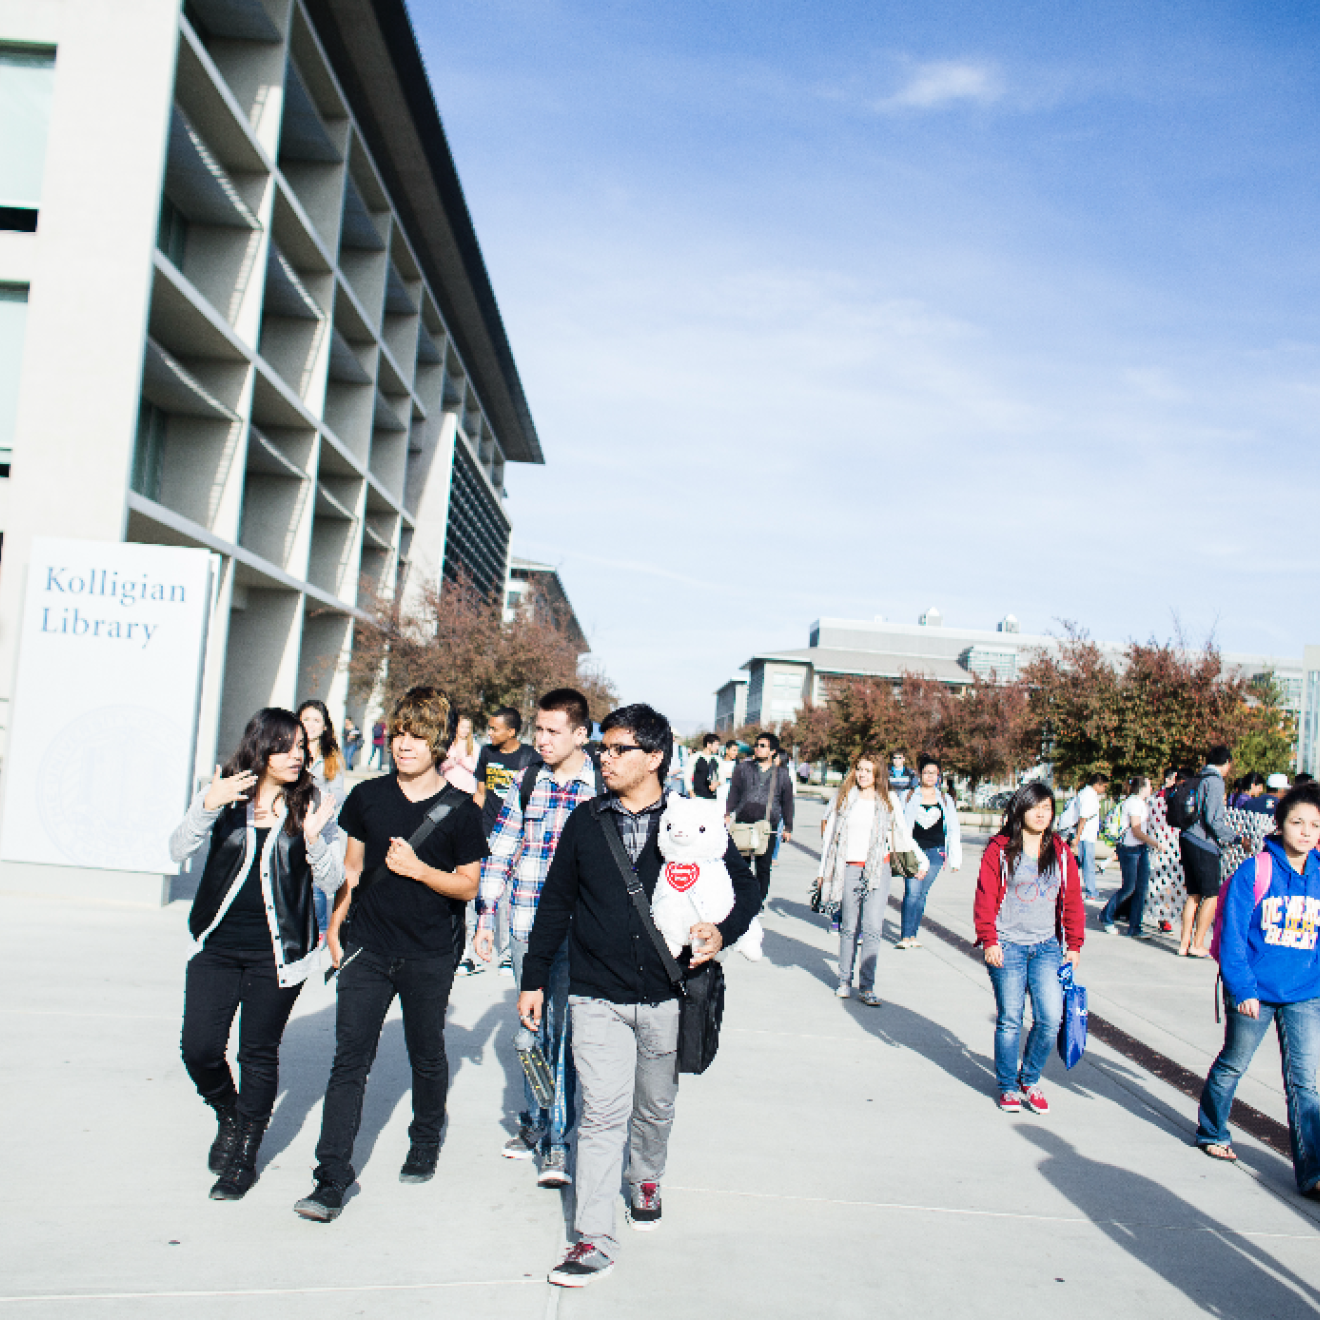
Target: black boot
(241, 1171)
(226, 1136)
(419, 1167)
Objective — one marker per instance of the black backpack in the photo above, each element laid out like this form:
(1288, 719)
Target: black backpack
(1183, 808)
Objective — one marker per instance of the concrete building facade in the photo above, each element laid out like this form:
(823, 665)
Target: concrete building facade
(243, 307)
(546, 589)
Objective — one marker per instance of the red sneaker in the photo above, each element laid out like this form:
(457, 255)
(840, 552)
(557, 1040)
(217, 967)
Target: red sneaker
(1009, 1103)
(1034, 1099)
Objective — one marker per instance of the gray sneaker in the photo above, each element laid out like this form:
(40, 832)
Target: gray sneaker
(554, 1169)
(870, 998)
(584, 1264)
(524, 1146)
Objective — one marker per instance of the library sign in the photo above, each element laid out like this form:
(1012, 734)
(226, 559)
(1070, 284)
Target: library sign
(103, 721)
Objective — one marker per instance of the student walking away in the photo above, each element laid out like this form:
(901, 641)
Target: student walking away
(864, 827)
(352, 741)
(1248, 789)
(377, 757)
(1133, 860)
(1196, 808)
(522, 846)
(932, 816)
(1088, 829)
(727, 766)
(1029, 918)
(623, 1006)
(460, 763)
(762, 791)
(414, 850)
(329, 770)
(1268, 959)
(706, 770)
(272, 840)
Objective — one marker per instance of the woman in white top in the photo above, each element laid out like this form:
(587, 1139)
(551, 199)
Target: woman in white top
(933, 816)
(460, 766)
(1133, 859)
(864, 826)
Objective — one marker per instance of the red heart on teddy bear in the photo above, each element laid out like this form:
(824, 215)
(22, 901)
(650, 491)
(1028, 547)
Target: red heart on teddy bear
(682, 875)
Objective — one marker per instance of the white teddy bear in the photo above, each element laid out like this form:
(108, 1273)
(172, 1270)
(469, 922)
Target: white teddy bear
(694, 883)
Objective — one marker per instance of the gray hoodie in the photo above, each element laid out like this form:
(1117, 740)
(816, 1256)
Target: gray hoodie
(1212, 830)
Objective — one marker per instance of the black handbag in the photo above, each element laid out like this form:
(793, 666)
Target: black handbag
(700, 989)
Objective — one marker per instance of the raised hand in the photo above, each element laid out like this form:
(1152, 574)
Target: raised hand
(225, 792)
(314, 822)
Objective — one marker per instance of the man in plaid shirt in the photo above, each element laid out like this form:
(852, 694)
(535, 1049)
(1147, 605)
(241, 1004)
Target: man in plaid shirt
(522, 845)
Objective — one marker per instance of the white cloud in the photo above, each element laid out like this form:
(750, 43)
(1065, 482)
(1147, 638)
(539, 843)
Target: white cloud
(942, 83)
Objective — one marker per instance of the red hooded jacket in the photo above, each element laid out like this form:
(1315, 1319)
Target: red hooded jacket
(1070, 917)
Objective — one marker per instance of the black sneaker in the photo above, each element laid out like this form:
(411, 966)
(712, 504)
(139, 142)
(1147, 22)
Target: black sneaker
(644, 1207)
(324, 1204)
(584, 1264)
(419, 1167)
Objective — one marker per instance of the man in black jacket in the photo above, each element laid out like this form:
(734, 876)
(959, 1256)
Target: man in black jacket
(762, 789)
(706, 772)
(623, 1006)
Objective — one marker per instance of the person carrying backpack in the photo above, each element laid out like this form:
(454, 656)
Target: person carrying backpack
(1266, 945)
(1196, 808)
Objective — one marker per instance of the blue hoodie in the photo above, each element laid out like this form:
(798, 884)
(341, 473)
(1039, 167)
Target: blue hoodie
(1269, 952)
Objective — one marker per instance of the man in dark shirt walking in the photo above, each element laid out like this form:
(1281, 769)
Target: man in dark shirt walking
(706, 772)
(624, 1008)
(404, 938)
(762, 790)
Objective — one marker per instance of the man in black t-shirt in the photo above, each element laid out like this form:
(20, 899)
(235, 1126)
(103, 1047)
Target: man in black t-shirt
(404, 938)
(499, 762)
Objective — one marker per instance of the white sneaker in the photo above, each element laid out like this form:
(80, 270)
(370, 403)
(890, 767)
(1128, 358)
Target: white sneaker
(843, 992)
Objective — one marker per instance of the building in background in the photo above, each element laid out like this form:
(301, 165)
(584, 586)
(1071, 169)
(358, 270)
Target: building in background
(252, 316)
(731, 704)
(540, 585)
(778, 682)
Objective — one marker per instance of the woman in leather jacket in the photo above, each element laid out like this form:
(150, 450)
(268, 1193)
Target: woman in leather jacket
(271, 837)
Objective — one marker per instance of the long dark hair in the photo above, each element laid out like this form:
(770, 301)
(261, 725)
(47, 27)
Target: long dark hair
(329, 744)
(270, 731)
(1028, 796)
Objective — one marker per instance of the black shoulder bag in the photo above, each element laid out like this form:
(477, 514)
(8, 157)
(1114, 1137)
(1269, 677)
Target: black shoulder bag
(415, 840)
(701, 991)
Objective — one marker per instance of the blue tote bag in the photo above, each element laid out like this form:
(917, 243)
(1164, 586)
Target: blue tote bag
(1072, 1031)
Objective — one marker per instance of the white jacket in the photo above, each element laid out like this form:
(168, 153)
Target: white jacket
(952, 833)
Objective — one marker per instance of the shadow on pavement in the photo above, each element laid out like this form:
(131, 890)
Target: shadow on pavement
(308, 1052)
(1222, 1272)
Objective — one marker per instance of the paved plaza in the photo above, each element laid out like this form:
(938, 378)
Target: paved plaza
(837, 1160)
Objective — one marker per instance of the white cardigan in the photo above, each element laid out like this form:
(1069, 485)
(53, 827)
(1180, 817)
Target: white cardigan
(952, 833)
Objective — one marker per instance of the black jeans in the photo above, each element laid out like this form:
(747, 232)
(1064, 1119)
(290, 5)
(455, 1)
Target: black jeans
(762, 865)
(367, 986)
(219, 983)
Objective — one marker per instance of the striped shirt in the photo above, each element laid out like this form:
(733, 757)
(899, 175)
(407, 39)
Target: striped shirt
(522, 847)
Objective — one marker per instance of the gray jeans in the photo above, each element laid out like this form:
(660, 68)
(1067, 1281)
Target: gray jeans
(863, 913)
(627, 1061)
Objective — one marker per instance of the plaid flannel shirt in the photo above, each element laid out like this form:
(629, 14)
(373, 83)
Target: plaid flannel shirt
(521, 848)
(634, 830)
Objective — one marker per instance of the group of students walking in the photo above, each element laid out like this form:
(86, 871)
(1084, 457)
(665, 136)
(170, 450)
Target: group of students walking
(401, 856)
(399, 859)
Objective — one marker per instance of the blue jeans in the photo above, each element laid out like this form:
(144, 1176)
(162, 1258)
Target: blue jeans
(1298, 1028)
(556, 1041)
(1028, 969)
(321, 905)
(1086, 856)
(1134, 866)
(916, 891)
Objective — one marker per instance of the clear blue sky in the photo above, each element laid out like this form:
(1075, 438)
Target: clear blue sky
(853, 309)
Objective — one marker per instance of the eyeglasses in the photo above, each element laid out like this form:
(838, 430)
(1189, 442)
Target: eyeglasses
(612, 750)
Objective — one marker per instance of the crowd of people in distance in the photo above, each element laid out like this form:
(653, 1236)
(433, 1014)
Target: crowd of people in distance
(543, 857)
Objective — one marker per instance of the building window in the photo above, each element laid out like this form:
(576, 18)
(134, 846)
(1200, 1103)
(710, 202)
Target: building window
(172, 233)
(991, 662)
(13, 320)
(149, 453)
(27, 86)
(477, 540)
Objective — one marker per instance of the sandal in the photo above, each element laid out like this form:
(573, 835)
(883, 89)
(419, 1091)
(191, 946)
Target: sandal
(1224, 1152)
(1198, 953)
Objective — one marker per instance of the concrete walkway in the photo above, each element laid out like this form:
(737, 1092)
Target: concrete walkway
(837, 1160)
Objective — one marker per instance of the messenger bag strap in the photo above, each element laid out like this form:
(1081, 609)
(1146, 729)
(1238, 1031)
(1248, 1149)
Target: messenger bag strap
(418, 837)
(638, 896)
